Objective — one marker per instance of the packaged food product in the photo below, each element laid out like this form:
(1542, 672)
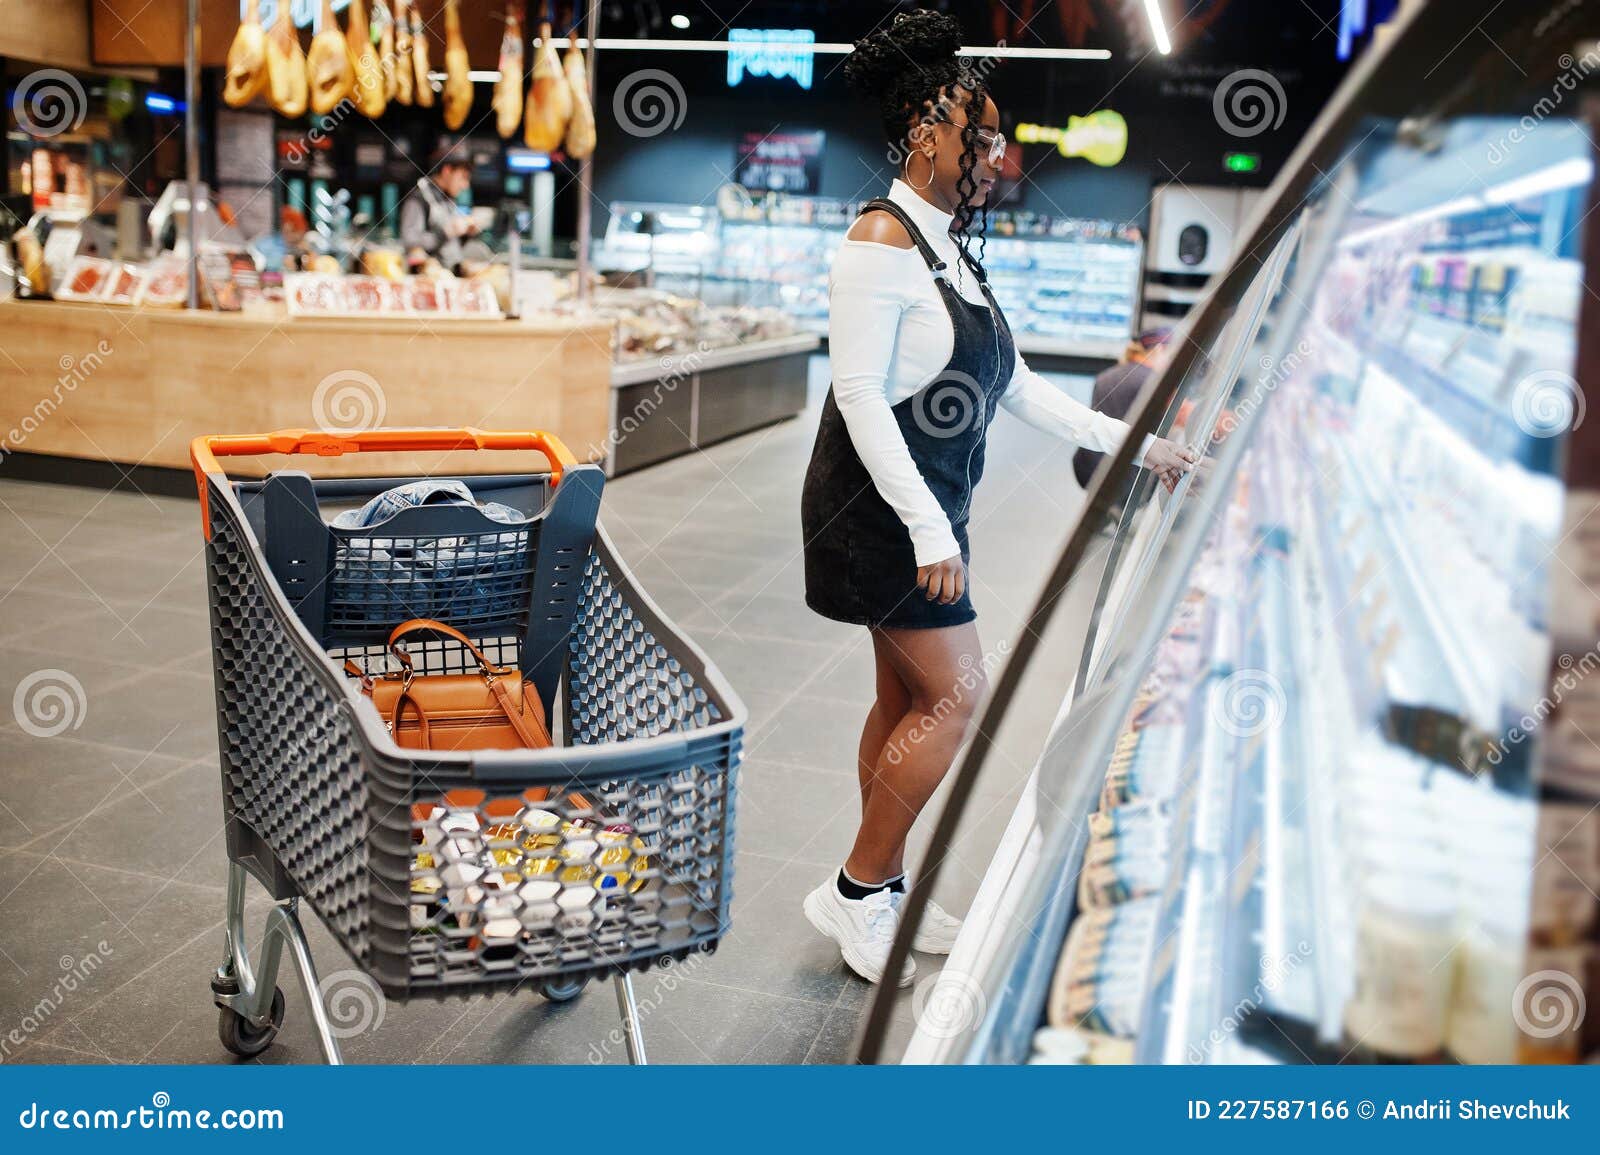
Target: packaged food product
(422, 295)
(86, 279)
(546, 843)
(535, 818)
(503, 833)
(371, 295)
(386, 263)
(1099, 981)
(314, 294)
(1405, 939)
(166, 284)
(472, 298)
(579, 849)
(1065, 1046)
(122, 288)
(1489, 962)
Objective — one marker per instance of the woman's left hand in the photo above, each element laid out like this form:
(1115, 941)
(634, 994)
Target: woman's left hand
(1169, 461)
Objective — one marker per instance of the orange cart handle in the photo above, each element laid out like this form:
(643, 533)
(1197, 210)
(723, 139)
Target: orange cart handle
(204, 451)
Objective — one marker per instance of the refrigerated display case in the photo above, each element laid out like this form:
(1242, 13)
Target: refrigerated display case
(1069, 286)
(1289, 808)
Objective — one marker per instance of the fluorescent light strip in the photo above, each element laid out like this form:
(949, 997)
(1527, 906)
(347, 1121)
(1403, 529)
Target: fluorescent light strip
(1578, 170)
(1565, 174)
(648, 44)
(1158, 27)
(622, 44)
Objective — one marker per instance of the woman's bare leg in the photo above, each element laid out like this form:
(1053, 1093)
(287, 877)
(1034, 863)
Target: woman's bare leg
(890, 705)
(942, 672)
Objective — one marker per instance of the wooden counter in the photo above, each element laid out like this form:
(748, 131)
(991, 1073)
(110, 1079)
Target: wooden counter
(133, 386)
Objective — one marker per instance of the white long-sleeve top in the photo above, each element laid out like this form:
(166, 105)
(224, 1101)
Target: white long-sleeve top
(889, 334)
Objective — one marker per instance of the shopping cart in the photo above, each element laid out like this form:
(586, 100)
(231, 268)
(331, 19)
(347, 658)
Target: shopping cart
(445, 872)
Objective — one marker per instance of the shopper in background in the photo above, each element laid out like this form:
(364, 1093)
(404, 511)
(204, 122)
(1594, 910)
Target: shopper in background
(922, 358)
(432, 225)
(1117, 388)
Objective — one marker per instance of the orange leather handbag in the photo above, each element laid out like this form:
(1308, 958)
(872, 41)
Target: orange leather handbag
(489, 710)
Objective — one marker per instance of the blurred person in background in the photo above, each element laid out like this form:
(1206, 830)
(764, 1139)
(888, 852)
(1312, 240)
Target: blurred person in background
(432, 225)
(1117, 388)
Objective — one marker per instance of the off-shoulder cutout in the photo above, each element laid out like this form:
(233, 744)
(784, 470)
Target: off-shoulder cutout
(880, 228)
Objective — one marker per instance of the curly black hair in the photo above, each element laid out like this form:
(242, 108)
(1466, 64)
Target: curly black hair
(913, 69)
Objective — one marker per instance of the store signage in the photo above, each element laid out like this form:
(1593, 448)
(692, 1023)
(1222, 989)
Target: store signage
(527, 160)
(774, 52)
(302, 12)
(787, 162)
(1100, 138)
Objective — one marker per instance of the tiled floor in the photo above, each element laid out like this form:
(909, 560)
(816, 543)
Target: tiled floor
(111, 855)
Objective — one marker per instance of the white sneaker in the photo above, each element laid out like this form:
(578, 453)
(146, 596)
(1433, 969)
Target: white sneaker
(937, 932)
(863, 927)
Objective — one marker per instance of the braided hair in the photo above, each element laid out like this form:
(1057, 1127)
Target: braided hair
(913, 70)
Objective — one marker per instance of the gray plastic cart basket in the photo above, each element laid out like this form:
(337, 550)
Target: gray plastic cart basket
(455, 872)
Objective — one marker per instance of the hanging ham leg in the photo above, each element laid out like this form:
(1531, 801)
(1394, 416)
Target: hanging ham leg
(328, 64)
(247, 60)
(368, 92)
(419, 57)
(457, 81)
(404, 72)
(383, 30)
(549, 99)
(508, 89)
(287, 89)
(580, 130)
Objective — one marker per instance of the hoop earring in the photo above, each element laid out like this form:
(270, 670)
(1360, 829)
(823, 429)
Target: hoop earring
(925, 184)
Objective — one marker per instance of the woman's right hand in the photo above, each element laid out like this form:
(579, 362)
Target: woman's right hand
(1170, 461)
(945, 581)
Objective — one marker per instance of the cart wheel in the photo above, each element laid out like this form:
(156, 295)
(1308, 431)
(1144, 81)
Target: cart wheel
(562, 990)
(239, 1037)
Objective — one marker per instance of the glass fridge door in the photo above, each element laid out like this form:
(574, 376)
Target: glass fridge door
(1285, 813)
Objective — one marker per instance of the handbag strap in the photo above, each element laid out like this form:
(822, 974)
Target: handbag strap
(422, 718)
(531, 731)
(417, 625)
(533, 736)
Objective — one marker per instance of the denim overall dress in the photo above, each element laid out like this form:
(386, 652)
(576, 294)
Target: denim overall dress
(860, 564)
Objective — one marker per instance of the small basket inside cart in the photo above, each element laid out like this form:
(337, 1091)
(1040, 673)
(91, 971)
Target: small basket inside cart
(444, 871)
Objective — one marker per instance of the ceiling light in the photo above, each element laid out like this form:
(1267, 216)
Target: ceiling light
(1158, 27)
(680, 21)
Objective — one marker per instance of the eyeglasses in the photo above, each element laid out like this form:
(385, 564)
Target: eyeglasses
(995, 142)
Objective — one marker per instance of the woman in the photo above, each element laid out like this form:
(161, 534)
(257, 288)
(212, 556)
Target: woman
(921, 359)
